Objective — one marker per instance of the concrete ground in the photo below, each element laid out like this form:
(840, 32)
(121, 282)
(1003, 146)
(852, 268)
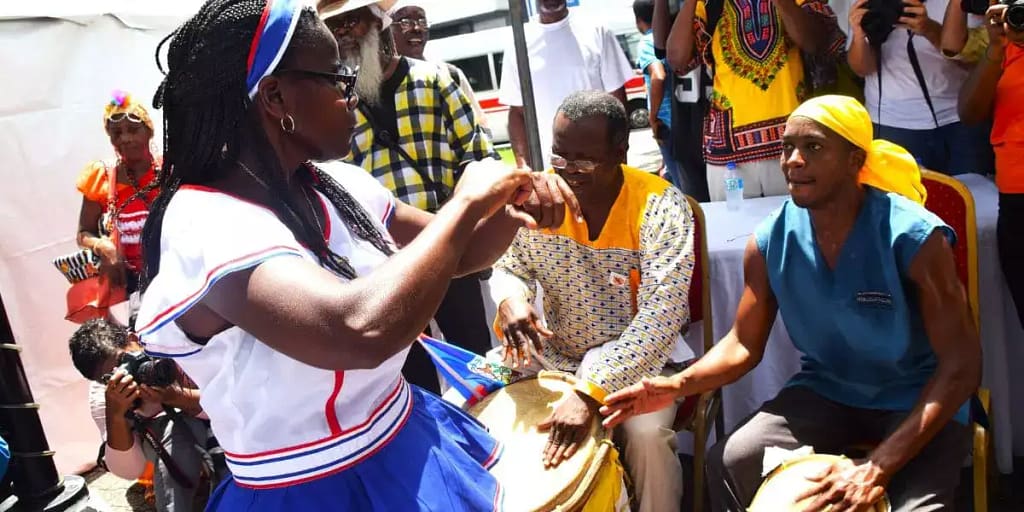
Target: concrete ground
(110, 493)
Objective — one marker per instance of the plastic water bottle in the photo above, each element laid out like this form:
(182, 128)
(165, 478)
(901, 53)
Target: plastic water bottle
(733, 188)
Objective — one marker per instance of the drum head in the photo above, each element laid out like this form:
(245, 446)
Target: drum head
(512, 414)
(780, 490)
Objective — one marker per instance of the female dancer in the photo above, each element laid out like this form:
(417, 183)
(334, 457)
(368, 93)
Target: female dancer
(290, 292)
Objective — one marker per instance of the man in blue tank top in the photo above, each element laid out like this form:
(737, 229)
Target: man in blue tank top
(866, 283)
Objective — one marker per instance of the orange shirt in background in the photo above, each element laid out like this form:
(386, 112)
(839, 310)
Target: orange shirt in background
(1008, 123)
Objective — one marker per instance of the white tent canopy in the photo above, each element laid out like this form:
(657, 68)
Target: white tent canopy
(61, 60)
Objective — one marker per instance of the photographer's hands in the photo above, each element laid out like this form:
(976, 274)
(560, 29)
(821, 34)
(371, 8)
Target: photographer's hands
(173, 396)
(995, 24)
(915, 19)
(122, 392)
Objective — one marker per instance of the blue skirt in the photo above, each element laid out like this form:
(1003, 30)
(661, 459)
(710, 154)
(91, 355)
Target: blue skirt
(438, 461)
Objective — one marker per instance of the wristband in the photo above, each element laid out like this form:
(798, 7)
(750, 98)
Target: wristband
(590, 389)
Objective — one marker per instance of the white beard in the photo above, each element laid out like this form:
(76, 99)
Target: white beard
(371, 71)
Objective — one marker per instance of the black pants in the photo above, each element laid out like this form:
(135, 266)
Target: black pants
(463, 321)
(688, 147)
(1011, 246)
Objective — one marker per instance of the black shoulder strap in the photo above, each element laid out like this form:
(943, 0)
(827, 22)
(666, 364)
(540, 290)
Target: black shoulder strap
(914, 63)
(142, 427)
(387, 139)
(454, 72)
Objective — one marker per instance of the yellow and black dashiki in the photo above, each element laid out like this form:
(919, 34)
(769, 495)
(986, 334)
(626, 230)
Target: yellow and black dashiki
(626, 291)
(759, 76)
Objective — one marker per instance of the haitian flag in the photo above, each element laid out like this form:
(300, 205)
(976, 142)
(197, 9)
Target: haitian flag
(470, 374)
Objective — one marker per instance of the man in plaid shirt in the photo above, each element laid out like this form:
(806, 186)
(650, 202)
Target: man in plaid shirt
(415, 132)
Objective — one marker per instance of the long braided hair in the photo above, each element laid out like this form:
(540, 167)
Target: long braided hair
(207, 119)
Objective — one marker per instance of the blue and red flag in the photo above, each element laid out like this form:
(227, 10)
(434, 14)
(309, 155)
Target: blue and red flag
(470, 374)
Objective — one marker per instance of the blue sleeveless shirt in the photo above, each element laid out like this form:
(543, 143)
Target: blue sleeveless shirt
(858, 326)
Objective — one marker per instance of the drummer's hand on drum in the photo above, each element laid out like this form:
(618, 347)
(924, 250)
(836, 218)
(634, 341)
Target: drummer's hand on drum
(648, 395)
(520, 326)
(847, 486)
(569, 424)
(551, 195)
(492, 185)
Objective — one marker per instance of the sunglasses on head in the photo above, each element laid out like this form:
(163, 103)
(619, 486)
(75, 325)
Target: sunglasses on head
(344, 81)
(121, 116)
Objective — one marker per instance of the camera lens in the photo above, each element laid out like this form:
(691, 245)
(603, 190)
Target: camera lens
(157, 372)
(1015, 17)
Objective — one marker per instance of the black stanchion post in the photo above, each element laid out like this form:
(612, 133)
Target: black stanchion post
(32, 482)
(517, 15)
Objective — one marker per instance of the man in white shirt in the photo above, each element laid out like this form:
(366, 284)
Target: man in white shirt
(895, 96)
(566, 55)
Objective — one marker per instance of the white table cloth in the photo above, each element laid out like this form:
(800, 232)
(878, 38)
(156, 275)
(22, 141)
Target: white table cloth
(1002, 336)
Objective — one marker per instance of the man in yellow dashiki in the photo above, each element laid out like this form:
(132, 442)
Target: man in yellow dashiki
(765, 57)
(615, 287)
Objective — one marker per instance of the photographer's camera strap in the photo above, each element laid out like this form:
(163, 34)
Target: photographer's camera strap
(155, 442)
(915, 64)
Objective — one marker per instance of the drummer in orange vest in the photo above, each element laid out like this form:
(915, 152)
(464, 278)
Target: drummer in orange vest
(615, 286)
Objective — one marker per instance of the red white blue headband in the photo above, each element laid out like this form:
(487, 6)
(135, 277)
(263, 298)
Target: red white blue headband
(273, 34)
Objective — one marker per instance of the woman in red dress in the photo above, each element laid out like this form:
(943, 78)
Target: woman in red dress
(130, 129)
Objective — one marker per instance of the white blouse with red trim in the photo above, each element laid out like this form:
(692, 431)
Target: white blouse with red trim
(281, 422)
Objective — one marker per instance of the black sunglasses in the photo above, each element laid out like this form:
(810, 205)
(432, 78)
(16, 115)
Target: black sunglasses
(344, 82)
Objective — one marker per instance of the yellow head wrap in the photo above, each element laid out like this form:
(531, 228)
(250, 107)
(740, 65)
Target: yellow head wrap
(888, 167)
(124, 103)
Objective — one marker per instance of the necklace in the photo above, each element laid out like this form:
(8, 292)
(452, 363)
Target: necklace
(132, 180)
(138, 192)
(312, 211)
(341, 263)
(305, 195)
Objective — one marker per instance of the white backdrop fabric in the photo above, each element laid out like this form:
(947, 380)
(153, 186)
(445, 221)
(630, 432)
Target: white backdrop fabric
(61, 61)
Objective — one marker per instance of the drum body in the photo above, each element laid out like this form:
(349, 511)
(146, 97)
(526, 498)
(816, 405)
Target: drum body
(512, 414)
(782, 486)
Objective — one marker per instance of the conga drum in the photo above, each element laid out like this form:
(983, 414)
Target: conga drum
(780, 489)
(512, 414)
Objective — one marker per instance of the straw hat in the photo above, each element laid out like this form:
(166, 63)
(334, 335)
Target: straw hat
(330, 8)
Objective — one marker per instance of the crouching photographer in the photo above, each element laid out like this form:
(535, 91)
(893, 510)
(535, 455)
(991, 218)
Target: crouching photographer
(147, 411)
(996, 88)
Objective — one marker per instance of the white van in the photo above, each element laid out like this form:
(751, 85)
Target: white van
(480, 54)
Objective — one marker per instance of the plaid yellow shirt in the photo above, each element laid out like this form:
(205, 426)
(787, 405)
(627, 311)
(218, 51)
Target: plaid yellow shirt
(433, 121)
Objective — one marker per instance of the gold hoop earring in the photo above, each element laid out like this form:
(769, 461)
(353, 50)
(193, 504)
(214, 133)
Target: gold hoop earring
(290, 127)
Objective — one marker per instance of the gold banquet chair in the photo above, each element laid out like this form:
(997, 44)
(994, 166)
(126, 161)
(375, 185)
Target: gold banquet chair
(699, 414)
(953, 202)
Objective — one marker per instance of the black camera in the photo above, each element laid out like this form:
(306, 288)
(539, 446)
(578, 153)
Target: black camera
(149, 370)
(1014, 15)
(880, 19)
(974, 6)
